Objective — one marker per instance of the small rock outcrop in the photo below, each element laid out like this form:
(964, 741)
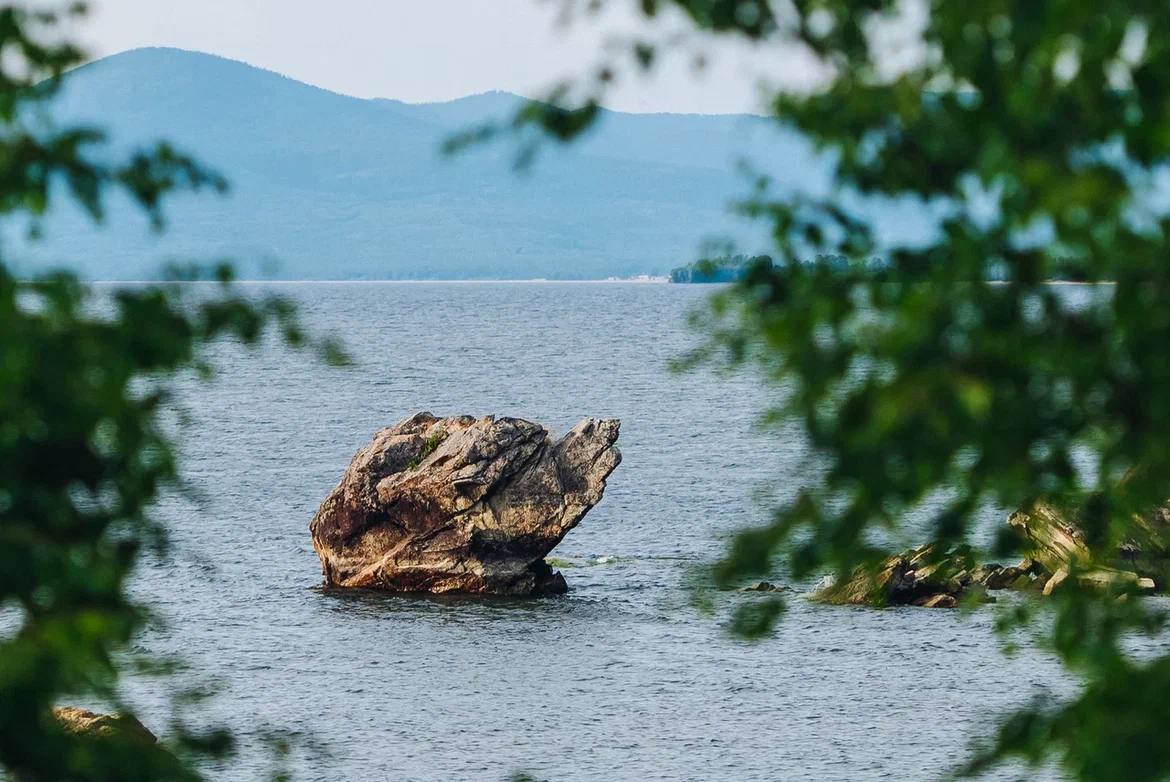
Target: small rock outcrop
(764, 586)
(82, 722)
(462, 504)
(1057, 553)
(919, 577)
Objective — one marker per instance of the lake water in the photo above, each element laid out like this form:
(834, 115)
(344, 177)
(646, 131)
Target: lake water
(620, 679)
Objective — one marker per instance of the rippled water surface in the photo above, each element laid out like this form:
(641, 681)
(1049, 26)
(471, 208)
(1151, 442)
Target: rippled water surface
(620, 679)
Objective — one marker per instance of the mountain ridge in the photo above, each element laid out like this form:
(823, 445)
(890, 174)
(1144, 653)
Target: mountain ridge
(332, 186)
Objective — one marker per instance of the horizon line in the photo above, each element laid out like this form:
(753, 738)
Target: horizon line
(651, 280)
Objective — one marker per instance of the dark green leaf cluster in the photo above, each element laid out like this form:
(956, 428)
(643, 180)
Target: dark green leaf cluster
(1039, 132)
(84, 449)
(723, 269)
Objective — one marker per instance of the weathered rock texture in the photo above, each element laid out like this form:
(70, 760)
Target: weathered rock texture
(462, 504)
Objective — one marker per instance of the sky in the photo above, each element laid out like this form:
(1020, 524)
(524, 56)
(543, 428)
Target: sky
(433, 50)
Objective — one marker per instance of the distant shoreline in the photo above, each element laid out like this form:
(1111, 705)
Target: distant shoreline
(653, 281)
(656, 281)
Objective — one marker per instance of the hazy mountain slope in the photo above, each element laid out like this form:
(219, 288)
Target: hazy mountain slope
(331, 186)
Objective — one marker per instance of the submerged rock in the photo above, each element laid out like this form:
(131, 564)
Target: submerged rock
(462, 504)
(764, 586)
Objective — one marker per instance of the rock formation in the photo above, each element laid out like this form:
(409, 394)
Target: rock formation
(1055, 538)
(462, 505)
(82, 722)
(1054, 543)
(920, 577)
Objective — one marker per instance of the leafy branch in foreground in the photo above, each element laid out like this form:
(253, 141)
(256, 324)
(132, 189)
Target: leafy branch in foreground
(1038, 133)
(84, 450)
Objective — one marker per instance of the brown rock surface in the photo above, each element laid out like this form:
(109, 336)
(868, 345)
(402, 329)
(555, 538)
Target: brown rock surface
(462, 504)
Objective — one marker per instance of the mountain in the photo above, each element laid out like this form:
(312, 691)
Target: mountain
(326, 186)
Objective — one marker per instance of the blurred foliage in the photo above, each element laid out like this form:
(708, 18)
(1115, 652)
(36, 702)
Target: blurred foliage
(85, 434)
(1040, 132)
(728, 268)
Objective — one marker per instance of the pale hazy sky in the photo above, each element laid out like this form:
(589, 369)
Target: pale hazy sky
(427, 50)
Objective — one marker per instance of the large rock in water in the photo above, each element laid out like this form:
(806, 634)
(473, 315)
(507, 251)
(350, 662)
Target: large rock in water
(462, 504)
